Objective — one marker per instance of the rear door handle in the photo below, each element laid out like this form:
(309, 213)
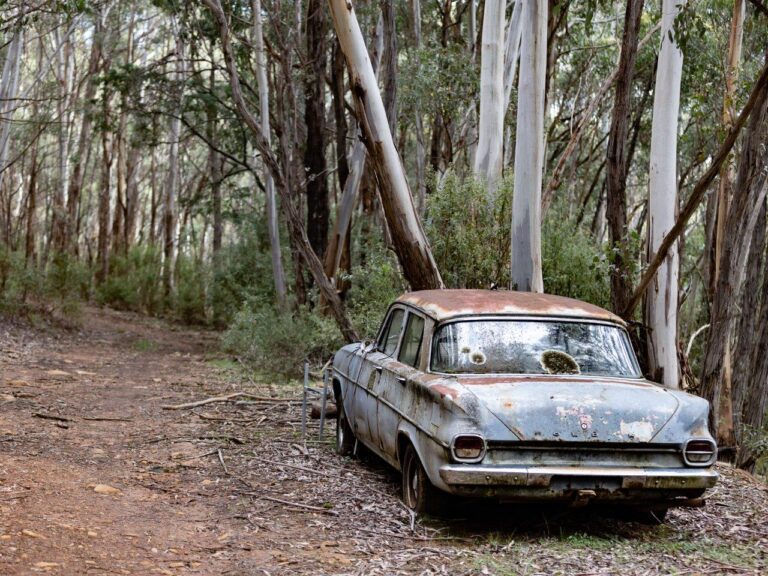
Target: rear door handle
(401, 380)
(379, 369)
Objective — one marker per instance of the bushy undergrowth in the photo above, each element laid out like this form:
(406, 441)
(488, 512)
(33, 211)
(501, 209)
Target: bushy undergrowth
(469, 231)
(134, 281)
(57, 292)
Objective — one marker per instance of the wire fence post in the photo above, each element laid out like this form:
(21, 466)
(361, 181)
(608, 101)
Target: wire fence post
(304, 404)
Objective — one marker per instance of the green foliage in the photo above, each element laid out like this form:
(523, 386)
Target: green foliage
(189, 300)
(573, 264)
(19, 282)
(375, 284)
(278, 343)
(469, 232)
(756, 441)
(134, 281)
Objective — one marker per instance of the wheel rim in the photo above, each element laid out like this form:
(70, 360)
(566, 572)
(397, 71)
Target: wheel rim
(340, 431)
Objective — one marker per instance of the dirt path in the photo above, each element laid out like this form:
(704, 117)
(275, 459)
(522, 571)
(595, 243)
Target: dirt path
(96, 478)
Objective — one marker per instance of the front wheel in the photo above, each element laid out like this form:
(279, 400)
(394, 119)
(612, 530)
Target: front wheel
(345, 438)
(419, 494)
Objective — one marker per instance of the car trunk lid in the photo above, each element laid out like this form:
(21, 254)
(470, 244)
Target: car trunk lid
(575, 409)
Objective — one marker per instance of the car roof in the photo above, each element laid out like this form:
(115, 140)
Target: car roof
(446, 304)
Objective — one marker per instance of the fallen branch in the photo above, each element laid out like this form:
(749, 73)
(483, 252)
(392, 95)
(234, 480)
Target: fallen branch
(221, 459)
(106, 419)
(296, 466)
(226, 398)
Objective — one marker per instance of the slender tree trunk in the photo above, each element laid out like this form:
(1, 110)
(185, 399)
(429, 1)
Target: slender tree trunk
(318, 211)
(421, 173)
(278, 275)
(9, 85)
(30, 252)
(728, 171)
(171, 182)
(616, 207)
(662, 295)
(410, 242)
(389, 64)
(512, 50)
(489, 161)
(102, 271)
(64, 73)
(526, 271)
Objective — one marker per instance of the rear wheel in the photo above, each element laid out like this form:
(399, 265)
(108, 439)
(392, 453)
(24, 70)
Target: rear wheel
(345, 438)
(419, 494)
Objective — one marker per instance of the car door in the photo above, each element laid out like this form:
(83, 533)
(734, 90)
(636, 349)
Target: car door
(365, 402)
(392, 386)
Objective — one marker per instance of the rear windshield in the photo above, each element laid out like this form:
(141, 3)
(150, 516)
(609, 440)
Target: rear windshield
(532, 347)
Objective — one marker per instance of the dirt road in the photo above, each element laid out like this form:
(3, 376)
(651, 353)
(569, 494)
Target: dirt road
(97, 478)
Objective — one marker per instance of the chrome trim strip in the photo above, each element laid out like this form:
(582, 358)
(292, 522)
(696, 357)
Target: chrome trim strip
(541, 476)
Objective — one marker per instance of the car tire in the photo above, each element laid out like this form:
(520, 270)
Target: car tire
(419, 494)
(345, 437)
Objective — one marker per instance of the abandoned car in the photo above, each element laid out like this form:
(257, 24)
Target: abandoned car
(520, 397)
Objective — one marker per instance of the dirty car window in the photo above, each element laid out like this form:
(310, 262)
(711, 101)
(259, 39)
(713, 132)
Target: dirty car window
(409, 351)
(391, 333)
(528, 346)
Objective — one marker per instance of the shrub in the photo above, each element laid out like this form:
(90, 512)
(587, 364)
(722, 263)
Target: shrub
(278, 343)
(134, 281)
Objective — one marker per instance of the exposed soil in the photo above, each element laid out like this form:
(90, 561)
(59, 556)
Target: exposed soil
(96, 477)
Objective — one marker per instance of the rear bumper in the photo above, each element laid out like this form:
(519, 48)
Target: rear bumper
(559, 481)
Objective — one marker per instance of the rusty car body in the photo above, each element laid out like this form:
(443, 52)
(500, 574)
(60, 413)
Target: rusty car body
(522, 397)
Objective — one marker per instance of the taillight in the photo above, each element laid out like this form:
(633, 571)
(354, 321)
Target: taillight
(699, 452)
(468, 448)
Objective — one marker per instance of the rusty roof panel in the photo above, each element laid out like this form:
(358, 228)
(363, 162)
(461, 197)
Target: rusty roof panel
(446, 304)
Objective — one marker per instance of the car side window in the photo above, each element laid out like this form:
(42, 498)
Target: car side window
(391, 334)
(411, 347)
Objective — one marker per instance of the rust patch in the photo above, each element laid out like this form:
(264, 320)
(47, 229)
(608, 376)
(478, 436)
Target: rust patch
(445, 390)
(444, 304)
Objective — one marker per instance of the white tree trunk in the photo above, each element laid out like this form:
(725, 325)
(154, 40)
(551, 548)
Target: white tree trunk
(421, 172)
(9, 85)
(409, 240)
(662, 294)
(490, 144)
(269, 181)
(529, 151)
(512, 50)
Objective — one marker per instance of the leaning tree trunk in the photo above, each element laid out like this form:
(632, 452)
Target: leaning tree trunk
(529, 151)
(349, 195)
(410, 242)
(512, 50)
(278, 275)
(616, 179)
(662, 294)
(489, 160)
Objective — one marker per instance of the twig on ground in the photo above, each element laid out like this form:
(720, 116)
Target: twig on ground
(294, 504)
(221, 459)
(226, 398)
(51, 417)
(296, 466)
(106, 419)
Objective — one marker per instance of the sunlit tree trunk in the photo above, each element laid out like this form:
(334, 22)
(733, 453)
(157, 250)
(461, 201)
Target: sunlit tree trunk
(278, 275)
(526, 271)
(64, 75)
(490, 145)
(9, 85)
(408, 237)
(512, 50)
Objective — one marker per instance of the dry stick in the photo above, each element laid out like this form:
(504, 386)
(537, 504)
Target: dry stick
(221, 459)
(49, 417)
(698, 193)
(106, 419)
(226, 398)
(296, 466)
(295, 504)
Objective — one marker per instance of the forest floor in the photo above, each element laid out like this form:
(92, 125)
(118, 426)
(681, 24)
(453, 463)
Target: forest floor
(97, 478)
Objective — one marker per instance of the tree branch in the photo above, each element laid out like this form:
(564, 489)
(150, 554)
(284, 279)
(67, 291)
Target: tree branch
(761, 84)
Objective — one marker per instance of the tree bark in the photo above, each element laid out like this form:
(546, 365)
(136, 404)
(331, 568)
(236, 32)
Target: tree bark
(489, 160)
(526, 271)
(410, 242)
(662, 295)
(616, 180)
(318, 211)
